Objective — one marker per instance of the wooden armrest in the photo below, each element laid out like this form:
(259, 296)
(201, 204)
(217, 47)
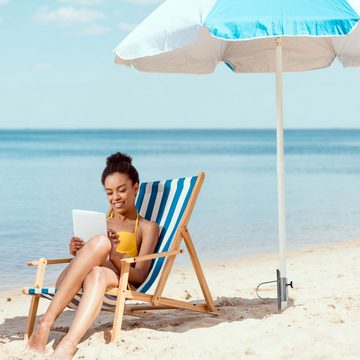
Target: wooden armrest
(152, 256)
(49, 262)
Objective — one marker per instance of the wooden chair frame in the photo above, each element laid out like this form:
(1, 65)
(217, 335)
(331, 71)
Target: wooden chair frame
(156, 301)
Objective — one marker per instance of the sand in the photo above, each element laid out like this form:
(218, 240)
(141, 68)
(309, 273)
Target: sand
(321, 322)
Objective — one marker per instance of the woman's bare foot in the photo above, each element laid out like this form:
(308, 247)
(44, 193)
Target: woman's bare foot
(37, 340)
(64, 351)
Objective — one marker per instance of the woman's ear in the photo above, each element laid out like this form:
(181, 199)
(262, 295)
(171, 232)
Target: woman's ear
(136, 188)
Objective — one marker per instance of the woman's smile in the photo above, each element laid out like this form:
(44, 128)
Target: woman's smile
(119, 204)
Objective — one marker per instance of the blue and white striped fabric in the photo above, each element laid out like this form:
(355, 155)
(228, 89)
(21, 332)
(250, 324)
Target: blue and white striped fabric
(163, 202)
(193, 36)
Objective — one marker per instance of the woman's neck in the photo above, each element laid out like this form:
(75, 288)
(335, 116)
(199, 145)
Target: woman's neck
(130, 215)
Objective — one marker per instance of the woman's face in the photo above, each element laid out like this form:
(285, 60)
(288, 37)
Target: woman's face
(120, 192)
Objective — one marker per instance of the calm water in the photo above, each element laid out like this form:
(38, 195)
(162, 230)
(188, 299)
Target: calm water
(45, 174)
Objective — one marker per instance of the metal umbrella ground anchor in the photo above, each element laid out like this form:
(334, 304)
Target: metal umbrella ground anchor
(282, 293)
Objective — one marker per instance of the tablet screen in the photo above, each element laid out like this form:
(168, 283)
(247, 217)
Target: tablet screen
(88, 224)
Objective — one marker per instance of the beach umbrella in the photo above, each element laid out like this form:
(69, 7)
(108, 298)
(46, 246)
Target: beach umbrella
(194, 36)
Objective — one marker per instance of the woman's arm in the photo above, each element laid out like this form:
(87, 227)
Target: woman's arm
(150, 235)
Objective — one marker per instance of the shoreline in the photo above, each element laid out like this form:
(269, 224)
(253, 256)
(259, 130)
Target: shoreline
(321, 322)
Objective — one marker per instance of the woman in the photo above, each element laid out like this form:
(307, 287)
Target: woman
(97, 263)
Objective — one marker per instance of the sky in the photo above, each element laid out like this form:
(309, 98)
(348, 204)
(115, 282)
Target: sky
(57, 71)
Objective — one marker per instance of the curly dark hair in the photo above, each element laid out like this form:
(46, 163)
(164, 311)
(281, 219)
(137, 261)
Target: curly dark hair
(121, 163)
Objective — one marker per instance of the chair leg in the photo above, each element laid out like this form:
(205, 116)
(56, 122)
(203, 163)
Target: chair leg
(120, 302)
(198, 270)
(39, 279)
(31, 317)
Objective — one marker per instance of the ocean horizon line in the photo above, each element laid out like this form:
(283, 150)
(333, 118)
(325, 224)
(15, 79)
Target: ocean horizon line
(169, 129)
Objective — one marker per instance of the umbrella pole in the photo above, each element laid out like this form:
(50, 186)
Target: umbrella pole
(280, 163)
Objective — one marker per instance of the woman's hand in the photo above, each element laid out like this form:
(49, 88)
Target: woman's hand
(114, 239)
(75, 245)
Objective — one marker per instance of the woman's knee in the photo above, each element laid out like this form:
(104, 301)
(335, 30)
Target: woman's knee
(99, 244)
(101, 275)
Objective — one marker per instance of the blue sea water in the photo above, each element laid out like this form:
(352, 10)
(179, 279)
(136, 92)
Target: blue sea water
(45, 174)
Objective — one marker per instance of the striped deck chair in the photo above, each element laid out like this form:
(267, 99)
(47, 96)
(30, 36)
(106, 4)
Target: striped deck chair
(170, 204)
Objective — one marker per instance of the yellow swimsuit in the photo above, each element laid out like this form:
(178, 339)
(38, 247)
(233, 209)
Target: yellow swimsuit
(128, 243)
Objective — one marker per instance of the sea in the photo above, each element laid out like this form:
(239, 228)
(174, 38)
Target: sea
(45, 174)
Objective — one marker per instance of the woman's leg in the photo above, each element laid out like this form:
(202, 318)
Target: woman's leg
(95, 284)
(93, 253)
(62, 276)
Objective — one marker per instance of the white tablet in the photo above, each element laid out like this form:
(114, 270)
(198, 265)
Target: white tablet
(88, 224)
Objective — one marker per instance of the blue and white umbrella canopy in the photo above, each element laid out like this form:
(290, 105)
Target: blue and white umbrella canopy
(193, 36)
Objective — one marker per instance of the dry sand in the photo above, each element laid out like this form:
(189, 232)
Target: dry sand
(321, 322)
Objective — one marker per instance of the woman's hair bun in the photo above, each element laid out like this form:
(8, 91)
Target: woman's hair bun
(120, 163)
(118, 158)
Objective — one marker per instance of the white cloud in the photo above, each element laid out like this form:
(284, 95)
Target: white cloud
(93, 29)
(67, 16)
(126, 26)
(82, 2)
(4, 2)
(144, 2)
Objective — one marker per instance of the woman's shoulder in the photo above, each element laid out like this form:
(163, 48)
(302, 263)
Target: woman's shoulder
(148, 225)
